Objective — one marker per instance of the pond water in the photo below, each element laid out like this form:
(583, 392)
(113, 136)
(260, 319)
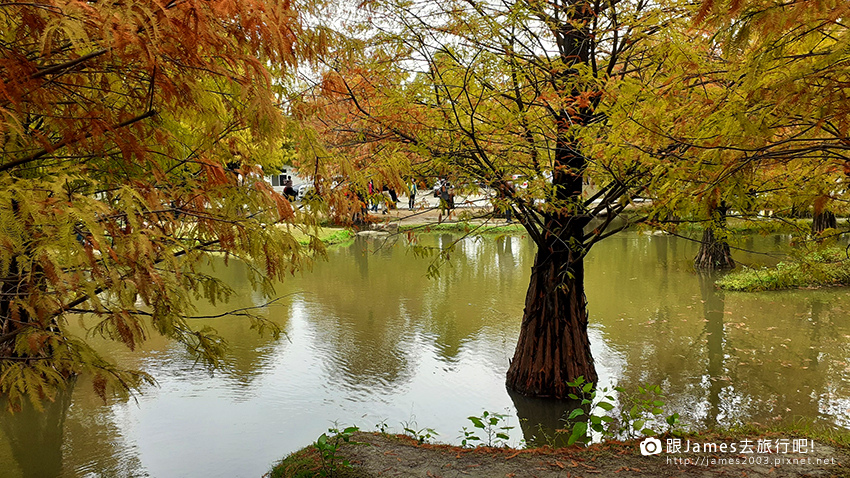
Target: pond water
(370, 340)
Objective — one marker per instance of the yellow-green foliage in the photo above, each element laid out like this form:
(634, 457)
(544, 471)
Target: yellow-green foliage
(132, 141)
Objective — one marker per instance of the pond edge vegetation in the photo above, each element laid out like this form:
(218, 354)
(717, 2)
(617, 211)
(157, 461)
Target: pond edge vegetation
(813, 269)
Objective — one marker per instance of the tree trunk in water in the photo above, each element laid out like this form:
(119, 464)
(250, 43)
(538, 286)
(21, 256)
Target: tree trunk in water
(553, 346)
(822, 221)
(714, 253)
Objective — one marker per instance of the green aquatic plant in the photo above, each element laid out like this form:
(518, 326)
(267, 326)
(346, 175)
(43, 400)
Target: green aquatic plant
(493, 425)
(328, 448)
(639, 414)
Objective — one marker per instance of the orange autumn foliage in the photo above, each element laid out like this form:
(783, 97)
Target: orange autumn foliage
(133, 136)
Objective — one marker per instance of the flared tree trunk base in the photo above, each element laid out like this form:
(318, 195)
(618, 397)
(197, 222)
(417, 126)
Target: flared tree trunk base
(714, 254)
(553, 346)
(823, 221)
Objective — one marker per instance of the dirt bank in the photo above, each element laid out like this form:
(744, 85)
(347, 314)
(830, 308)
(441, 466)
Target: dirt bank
(379, 455)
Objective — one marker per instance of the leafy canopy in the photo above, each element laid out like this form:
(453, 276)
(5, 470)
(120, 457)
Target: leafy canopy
(133, 137)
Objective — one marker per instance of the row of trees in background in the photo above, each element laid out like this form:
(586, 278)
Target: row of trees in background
(133, 137)
(746, 110)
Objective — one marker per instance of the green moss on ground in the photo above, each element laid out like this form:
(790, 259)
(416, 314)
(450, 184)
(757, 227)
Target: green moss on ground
(338, 236)
(304, 463)
(328, 235)
(307, 463)
(824, 268)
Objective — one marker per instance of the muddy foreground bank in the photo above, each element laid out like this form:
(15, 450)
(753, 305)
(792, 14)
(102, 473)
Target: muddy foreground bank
(382, 455)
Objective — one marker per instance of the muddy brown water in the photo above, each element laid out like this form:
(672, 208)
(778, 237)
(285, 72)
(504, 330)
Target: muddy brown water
(371, 341)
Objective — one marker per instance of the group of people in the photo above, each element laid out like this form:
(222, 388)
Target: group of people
(387, 198)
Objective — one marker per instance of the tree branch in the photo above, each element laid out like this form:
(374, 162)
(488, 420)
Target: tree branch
(72, 140)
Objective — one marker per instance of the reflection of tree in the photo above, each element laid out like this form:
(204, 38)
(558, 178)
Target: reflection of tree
(768, 355)
(245, 358)
(373, 312)
(813, 385)
(35, 437)
(66, 440)
(778, 350)
(662, 258)
(650, 323)
(817, 307)
(360, 304)
(800, 394)
(541, 418)
(360, 252)
(713, 310)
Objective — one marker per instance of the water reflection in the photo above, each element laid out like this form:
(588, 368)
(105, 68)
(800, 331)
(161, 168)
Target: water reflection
(713, 311)
(31, 429)
(37, 443)
(372, 328)
(249, 352)
(370, 338)
(543, 420)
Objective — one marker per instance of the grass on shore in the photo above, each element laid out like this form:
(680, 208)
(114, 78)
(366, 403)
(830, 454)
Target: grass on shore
(307, 463)
(329, 235)
(824, 268)
(752, 226)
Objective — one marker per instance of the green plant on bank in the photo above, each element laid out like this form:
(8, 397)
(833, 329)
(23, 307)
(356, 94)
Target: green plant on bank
(421, 435)
(645, 411)
(341, 236)
(589, 405)
(328, 448)
(382, 427)
(741, 226)
(494, 425)
(822, 267)
(637, 413)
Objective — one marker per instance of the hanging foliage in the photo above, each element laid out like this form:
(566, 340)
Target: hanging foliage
(133, 137)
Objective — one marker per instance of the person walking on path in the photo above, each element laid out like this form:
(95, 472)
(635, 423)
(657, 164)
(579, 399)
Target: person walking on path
(288, 190)
(411, 194)
(372, 201)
